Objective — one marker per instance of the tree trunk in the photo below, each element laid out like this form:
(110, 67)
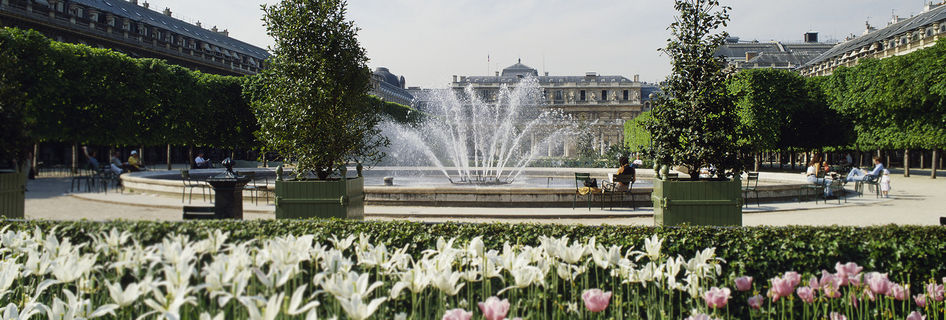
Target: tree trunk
(141, 156)
(75, 158)
(35, 157)
(922, 159)
(906, 163)
(778, 157)
(169, 157)
(887, 164)
(934, 164)
(190, 157)
(757, 160)
(792, 159)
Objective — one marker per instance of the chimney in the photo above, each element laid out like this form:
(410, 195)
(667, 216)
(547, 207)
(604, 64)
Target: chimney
(214, 29)
(134, 2)
(497, 73)
(591, 74)
(198, 24)
(146, 5)
(637, 78)
(454, 78)
(225, 33)
(546, 73)
(167, 12)
(751, 54)
(811, 37)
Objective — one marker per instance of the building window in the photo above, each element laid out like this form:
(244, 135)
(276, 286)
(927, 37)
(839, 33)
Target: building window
(625, 95)
(581, 95)
(94, 17)
(558, 94)
(111, 21)
(604, 95)
(60, 7)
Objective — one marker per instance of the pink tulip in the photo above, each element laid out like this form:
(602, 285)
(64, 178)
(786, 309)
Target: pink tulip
(854, 280)
(744, 283)
(806, 294)
(716, 298)
(794, 277)
(494, 309)
(780, 288)
(935, 291)
(915, 315)
(755, 302)
(813, 283)
(878, 283)
(596, 300)
(920, 300)
(837, 316)
(457, 314)
(898, 292)
(849, 269)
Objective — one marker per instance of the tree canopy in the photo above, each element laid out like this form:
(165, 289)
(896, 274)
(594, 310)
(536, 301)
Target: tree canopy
(694, 116)
(314, 105)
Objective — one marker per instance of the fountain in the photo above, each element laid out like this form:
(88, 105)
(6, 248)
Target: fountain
(481, 140)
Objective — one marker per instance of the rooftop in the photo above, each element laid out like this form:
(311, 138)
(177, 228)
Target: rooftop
(149, 17)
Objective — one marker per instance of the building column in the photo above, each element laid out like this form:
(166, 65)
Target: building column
(601, 140)
(550, 149)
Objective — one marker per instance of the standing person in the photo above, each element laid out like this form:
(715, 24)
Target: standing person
(885, 184)
(858, 174)
(200, 162)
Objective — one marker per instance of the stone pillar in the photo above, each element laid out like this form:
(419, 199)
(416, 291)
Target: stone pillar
(601, 151)
(565, 152)
(549, 144)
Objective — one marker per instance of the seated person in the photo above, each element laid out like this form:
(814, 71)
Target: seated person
(638, 163)
(814, 168)
(201, 163)
(116, 164)
(858, 174)
(90, 157)
(134, 162)
(625, 169)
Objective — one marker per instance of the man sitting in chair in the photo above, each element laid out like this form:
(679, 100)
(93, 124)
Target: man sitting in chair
(861, 174)
(625, 169)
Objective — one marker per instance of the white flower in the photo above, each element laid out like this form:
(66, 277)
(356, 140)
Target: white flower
(652, 247)
(9, 272)
(357, 309)
(11, 312)
(342, 244)
(605, 258)
(476, 247)
(400, 316)
(207, 316)
(77, 308)
(348, 285)
(125, 297)
(414, 279)
(296, 300)
(270, 307)
(70, 267)
(447, 282)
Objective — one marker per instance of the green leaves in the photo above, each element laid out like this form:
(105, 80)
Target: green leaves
(313, 104)
(694, 117)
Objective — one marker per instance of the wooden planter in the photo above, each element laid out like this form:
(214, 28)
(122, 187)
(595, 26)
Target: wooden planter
(343, 199)
(706, 203)
(12, 194)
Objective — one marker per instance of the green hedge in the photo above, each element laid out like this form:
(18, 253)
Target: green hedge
(919, 252)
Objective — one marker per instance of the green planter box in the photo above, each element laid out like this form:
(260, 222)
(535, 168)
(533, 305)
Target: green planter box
(705, 203)
(12, 194)
(343, 199)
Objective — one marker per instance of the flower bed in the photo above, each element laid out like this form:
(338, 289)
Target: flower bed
(107, 270)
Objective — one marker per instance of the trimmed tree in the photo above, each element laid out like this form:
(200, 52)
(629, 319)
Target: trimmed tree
(694, 118)
(314, 105)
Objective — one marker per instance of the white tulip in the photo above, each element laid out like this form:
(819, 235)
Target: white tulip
(447, 282)
(11, 312)
(356, 309)
(296, 300)
(125, 297)
(9, 272)
(342, 244)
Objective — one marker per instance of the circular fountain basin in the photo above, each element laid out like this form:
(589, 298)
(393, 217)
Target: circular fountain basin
(535, 187)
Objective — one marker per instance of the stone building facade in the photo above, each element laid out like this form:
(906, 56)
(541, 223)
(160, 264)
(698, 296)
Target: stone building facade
(899, 37)
(776, 54)
(389, 87)
(606, 102)
(132, 28)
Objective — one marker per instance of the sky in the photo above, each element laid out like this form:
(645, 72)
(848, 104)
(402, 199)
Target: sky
(428, 42)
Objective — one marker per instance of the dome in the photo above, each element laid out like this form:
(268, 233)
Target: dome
(388, 77)
(520, 70)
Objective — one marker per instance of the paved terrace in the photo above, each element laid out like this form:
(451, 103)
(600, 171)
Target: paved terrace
(918, 200)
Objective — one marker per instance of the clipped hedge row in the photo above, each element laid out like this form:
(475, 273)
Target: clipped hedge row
(918, 252)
